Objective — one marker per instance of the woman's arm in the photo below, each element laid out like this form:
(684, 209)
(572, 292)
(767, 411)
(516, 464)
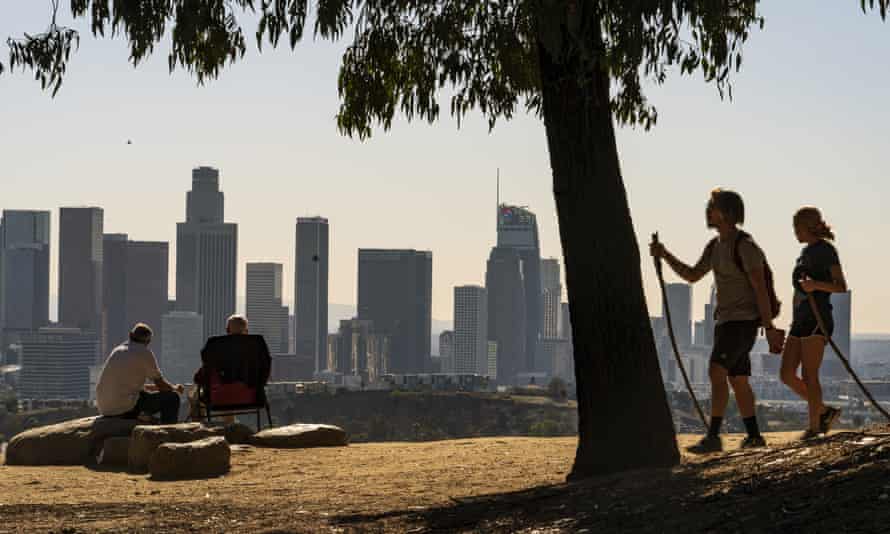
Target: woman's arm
(838, 283)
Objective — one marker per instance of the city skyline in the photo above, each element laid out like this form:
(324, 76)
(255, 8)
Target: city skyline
(399, 188)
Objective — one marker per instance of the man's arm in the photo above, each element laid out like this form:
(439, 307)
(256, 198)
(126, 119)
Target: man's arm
(161, 384)
(690, 274)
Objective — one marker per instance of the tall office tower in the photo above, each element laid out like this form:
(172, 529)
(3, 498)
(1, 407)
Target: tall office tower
(680, 299)
(506, 312)
(265, 313)
(114, 291)
(842, 308)
(518, 229)
(148, 265)
(181, 349)
(311, 289)
(56, 363)
(135, 288)
(709, 321)
(395, 290)
(24, 274)
(446, 350)
(206, 254)
(80, 269)
(470, 330)
(359, 350)
(552, 297)
(565, 322)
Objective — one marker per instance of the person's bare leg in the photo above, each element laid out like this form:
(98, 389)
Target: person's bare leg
(812, 352)
(791, 359)
(744, 395)
(719, 390)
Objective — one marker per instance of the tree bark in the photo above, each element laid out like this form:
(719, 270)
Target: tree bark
(624, 419)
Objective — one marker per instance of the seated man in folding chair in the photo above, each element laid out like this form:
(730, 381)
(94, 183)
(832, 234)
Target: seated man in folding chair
(233, 375)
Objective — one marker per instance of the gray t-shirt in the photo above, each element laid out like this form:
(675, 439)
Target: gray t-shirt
(736, 300)
(123, 376)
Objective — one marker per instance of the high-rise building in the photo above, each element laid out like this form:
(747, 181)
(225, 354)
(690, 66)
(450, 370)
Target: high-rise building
(507, 318)
(552, 297)
(359, 350)
(709, 321)
(491, 370)
(565, 322)
(395, 292)
(135, 288)
(80, 269)
(842, 307)
(114, 290)
(206, 254)
(446, 351)
(311, 289)
(182, 343)
(470, 330)
(680, 300)
(517, 229)
(56, 363)
(24, 274)
(148, 265)
(265, 313)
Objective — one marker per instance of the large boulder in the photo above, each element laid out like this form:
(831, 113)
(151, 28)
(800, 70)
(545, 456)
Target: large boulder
(149, 437)
(301, 436)
(115, 452)
(74, 442)
(197, 459)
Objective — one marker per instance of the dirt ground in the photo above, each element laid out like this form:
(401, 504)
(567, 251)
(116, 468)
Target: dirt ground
(484, 485)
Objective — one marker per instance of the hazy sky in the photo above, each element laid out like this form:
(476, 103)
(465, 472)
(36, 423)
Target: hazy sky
(808, 126)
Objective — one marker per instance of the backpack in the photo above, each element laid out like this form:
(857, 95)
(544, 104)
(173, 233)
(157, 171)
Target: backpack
(774, 302)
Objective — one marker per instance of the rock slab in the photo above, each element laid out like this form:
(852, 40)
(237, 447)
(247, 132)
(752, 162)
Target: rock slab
(301, 436)
(197, 459)
(146, 439)
(74, 442)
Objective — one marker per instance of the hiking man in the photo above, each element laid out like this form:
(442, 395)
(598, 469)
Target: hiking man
(122, 391)
(744, 305)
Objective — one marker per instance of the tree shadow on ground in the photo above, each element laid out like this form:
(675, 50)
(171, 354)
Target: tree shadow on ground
(835, 484)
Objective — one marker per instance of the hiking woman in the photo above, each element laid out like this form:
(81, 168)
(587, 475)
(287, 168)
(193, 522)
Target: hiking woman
(817, 272)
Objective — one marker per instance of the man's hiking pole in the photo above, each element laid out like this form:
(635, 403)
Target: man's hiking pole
(842, 357)
(670, 326)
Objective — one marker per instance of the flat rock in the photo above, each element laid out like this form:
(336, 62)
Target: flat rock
(149, 437)
(115, 452)
(204, 458)
(301, 436)
(75, 442)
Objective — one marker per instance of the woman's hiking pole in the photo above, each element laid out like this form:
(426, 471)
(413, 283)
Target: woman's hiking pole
(843, 358)
(670, 325)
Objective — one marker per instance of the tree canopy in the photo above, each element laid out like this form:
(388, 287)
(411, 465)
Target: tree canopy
(404, 52)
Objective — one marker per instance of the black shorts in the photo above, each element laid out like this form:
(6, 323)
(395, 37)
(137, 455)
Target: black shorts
(809, 326)
(733, 342)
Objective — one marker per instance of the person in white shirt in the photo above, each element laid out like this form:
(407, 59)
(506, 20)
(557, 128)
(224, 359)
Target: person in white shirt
(122, 390)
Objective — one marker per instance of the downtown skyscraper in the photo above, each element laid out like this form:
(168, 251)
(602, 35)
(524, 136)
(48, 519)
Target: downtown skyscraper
(470, 349)
(135, 280)
(552, 297)
(24, 273)
(395, 293)
(507, 318)
(206, 254)
(80, 269)
(517, 229)
(265, 313)
(311, 289)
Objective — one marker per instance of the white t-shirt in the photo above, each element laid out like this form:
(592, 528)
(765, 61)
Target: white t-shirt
(123, 377)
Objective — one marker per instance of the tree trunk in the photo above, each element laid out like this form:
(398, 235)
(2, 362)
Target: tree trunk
(624, 419)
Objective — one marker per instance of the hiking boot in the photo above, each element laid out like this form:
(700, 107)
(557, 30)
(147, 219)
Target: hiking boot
(808, 435)
(706, 445)
(828, 417)
(753, 442)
